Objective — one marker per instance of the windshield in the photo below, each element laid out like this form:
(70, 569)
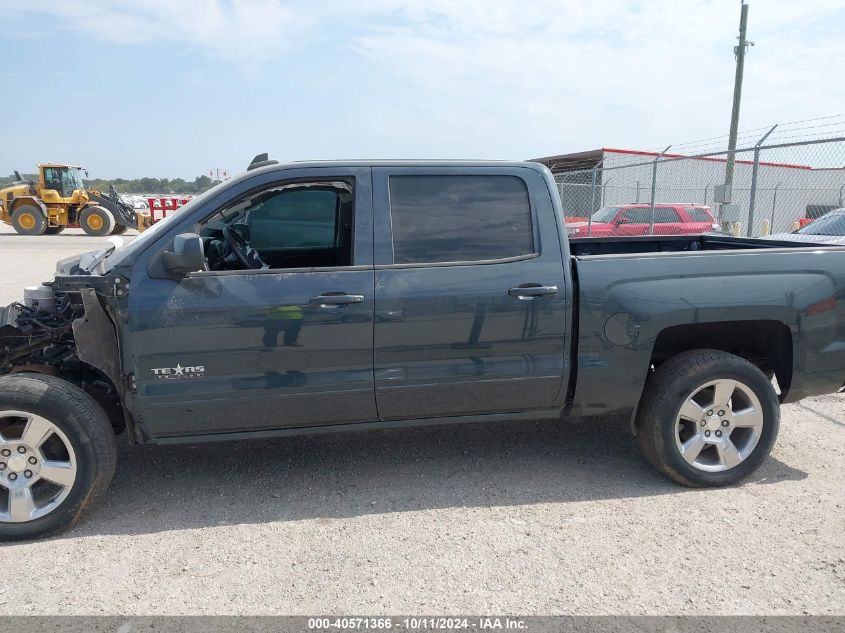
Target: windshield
(606, 214)
(152, 233)
(830, 224)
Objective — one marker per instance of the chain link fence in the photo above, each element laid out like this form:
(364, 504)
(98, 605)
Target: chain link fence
(776, 189)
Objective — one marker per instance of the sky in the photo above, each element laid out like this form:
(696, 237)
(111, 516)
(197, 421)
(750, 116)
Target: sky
(173, 88)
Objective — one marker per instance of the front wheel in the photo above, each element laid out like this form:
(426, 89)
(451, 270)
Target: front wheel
(57, 453)
(707, 418)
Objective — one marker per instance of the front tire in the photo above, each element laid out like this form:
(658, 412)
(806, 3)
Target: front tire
(96, 221)
(29, 220)
(707, 418)
(57, 453)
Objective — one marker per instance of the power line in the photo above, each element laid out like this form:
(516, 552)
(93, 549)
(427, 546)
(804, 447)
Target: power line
(751, 132)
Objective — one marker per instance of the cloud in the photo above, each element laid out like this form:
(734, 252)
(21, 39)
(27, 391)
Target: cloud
(239, 31)
(482, 78)
(563, 71)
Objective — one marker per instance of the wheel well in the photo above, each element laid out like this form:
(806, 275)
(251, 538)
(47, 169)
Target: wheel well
(767, 344)
(28, 201)
(93, 382)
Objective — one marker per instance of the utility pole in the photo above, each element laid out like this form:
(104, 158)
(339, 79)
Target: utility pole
(739, 53)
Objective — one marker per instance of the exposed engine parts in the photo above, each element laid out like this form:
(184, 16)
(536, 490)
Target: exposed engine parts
(39, 297)
(37, 331)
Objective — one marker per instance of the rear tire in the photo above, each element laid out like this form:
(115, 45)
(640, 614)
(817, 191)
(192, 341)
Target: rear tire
(29, 220)
(54, 437)
(707, 418)
(119, 229)
(96, 221)
(55, 230)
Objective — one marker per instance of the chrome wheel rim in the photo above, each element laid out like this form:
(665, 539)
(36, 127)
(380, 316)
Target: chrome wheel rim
(37, 466)
(718, 425)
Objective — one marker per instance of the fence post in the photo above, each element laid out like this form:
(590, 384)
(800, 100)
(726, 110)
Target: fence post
(654, 187)
(840, 195)
(604, 190)
(593, 199)
(754, 168)
(705, 191)
(774, 204)
(638, 191)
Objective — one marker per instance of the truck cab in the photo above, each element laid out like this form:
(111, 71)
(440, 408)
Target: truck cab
(309, 270)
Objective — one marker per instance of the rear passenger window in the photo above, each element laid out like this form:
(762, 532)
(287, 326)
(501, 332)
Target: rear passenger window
(665, 215)
(697, 214)
(459, 218)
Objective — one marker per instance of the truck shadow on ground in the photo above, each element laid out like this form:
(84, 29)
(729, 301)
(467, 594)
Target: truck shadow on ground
(166, 488)
(822, 415)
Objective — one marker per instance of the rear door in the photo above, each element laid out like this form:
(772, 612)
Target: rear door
(668, 221)
(470, 298)
(698, 219)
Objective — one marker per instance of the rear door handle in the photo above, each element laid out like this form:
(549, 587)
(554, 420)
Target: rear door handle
(532, 291)
(335, 299)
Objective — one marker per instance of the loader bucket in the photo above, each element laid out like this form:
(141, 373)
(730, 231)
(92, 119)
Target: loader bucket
(144, 222)
(124, 215)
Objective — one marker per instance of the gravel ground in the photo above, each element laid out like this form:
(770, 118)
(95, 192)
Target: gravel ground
(528, 518)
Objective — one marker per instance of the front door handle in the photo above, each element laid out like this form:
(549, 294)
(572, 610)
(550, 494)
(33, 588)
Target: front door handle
(335, 299)
(527, 292)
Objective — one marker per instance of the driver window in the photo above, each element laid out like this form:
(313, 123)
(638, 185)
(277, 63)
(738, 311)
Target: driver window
(295, 225)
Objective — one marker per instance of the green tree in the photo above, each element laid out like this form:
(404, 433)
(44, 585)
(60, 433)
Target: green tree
(137, 185)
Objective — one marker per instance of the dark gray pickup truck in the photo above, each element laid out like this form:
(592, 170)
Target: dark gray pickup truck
(331, 296)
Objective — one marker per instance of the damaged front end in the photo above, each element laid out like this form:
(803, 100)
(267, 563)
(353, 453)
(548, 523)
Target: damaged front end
(64, 328)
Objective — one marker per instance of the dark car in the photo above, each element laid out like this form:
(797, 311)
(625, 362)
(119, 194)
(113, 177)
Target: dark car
(330, 296)
(828, 229)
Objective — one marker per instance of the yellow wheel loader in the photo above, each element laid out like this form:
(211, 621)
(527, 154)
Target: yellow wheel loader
(59, 199)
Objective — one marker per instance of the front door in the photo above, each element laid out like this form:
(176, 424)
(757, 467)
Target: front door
(470, 304)
(287, 345)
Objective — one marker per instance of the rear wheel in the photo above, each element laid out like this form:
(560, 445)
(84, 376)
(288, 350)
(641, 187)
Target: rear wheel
(57, 453)
(119, 229)
(29, 220)
(96, 221)
(707, 418)
(55, 230)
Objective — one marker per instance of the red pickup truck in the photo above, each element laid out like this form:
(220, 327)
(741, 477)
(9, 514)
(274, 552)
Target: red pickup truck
(635, 219)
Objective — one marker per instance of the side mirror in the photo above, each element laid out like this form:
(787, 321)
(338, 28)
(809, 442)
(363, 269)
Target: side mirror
(187, 255)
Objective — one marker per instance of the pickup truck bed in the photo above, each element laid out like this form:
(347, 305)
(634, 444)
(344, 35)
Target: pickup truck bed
(774, 309)
(673, 244)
